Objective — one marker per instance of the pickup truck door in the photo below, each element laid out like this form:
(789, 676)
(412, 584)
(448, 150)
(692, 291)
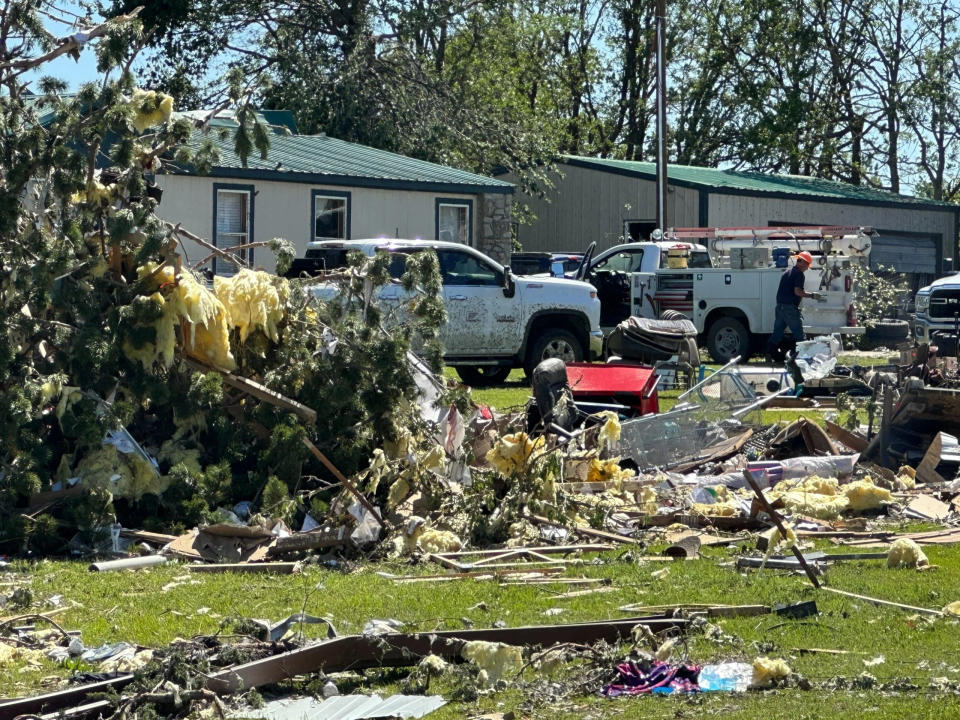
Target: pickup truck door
(481, 320)
(621, 285)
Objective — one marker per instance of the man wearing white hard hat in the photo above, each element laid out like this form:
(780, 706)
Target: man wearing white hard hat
(789, 295)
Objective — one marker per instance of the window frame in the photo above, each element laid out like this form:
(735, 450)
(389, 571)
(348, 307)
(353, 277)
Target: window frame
(347, 197)
(454, 202)
(251, 193)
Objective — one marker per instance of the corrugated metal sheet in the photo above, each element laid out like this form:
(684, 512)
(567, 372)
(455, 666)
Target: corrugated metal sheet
(348, 707)
(711, 178)
(321, 155)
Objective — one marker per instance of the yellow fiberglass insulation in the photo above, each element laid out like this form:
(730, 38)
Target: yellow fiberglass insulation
(207, 331)
(647, 500)
(150, 108)
(610, 430)
(906, 553)
(728, 508)
(864, 495)
(607, 471)
(814, 496)
(952, 609)
(512, 452)
(255, 300)
(183, 301)
(398, 491)
(439, 541)
(126, 476)
(822, 507)
(767, 670)
(494, 659)
(776, 537)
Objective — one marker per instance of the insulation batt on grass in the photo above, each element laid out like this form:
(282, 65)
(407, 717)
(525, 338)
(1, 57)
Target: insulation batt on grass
(906, 553)
(767, 670)
(494, 659)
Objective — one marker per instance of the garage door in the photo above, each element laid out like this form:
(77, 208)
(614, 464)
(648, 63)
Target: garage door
(904, 254)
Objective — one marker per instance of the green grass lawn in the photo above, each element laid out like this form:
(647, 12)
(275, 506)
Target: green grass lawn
(132, 606)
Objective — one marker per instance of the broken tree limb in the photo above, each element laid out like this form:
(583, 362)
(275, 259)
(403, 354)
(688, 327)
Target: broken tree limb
(778, 521)
(71, 43)
(261, 392)
(885, 603)
(342, 478)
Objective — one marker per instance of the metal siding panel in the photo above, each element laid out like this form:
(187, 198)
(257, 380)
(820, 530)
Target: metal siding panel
(909, 255)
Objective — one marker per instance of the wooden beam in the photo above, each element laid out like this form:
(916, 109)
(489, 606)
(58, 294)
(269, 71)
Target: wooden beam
(343, 480)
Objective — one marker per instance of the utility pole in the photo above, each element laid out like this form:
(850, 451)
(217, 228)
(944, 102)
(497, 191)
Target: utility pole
(661, 50)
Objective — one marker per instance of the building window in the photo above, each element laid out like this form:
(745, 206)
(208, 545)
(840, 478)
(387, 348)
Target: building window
(455, 221)
(331, 215)
(233, 224)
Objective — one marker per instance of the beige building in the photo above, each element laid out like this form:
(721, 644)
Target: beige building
(613, 201)
(318, 187)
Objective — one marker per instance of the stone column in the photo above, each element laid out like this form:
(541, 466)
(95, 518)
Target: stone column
(495, 226)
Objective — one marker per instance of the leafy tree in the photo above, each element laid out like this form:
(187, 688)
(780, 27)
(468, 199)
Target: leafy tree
(103, 332)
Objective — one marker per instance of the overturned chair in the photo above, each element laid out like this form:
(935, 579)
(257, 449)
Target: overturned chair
(670, 342)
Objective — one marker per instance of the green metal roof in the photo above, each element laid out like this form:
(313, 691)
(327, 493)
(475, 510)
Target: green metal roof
(319, 159)
(754, 183)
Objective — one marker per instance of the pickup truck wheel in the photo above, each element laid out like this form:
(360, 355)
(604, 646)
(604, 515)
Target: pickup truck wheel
(483, 375)
(553, 344)
(728, 338)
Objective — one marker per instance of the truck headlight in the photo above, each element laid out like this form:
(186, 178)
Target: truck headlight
(923, 303)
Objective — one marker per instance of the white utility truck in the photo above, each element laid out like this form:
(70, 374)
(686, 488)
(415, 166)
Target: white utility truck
(725, 281)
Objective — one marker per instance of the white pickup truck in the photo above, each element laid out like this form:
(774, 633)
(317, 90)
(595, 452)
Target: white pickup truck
(496, 320)
(938, 310)
(733, 309)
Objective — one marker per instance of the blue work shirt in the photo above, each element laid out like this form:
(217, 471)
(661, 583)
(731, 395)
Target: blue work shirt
(792, 278)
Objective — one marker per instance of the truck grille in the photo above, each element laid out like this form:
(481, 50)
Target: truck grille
(944, 303)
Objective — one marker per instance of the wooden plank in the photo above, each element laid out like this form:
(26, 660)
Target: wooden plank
(278, 568)
(582, 593)
(884, 603)
(547, 549)
(148, 537)
(343, 480)
(854, 441)
(537, 575)
(931, 537)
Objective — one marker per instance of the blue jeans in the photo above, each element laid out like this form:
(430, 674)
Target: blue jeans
(787, 316)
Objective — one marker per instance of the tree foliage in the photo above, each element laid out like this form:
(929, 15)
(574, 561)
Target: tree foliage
(106, 340)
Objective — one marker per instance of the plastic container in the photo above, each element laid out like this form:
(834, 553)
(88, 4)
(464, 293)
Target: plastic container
(781, 256)
(726, 677)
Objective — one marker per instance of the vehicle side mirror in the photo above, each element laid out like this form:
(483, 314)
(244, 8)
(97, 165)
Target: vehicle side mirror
(509, 283)
(556, 269)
